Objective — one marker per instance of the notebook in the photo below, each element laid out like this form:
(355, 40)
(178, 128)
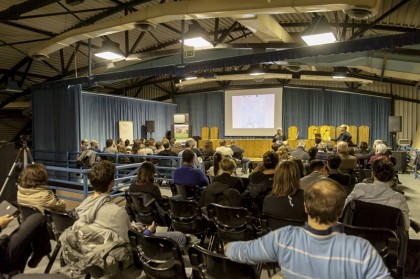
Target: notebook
(7, 208)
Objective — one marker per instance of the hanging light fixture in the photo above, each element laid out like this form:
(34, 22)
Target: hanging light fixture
(110, 50)
(196, 36)
(256, 70)
(318, 33)
(12, 86)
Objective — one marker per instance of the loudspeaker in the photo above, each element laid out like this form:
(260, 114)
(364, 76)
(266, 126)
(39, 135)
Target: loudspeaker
(150, 126)
(401, 158)
(394, 123)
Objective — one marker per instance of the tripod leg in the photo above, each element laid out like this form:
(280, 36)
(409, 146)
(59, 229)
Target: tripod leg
(27, 157)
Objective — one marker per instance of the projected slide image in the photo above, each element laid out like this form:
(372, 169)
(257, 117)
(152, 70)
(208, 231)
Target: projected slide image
(181, 131)
(253, 111)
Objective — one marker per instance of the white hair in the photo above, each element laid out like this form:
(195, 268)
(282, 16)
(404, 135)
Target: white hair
(381, 148)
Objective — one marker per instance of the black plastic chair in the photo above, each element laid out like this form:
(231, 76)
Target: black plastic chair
(270, 223)
(60, 222)
(233, 223)
(161, 257)
(25, 211)
(143, 208)
(186, 217)
(207, 264)
(186, 192)
(383, 227)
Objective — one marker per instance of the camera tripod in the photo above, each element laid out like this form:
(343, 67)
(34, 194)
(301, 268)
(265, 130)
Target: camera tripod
(24, 153)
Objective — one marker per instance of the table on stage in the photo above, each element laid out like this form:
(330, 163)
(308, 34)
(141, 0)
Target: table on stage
(255, 148)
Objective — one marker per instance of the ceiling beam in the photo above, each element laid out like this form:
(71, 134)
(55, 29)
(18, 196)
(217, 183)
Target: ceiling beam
(15, 11)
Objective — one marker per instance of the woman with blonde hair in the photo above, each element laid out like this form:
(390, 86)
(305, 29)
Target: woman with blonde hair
(286, 199)
(33, 190)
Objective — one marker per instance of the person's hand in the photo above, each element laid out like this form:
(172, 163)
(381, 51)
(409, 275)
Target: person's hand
(5, 220)
(259, 166)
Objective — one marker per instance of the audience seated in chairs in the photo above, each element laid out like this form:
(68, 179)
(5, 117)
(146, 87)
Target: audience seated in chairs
(33, 190)
(300, 152)
(312, 153)
(300, 166)
(226, 151)
(260, 183)
(318, 170)
(344, 179)
(188, 146)
(381, 151)
(105, 248)
(31, 238)
(329, 253)
(322, 152)
(286, 199)
(208, 153)
(348, 162)
(188, 174)
(380, 191)
(238, 154)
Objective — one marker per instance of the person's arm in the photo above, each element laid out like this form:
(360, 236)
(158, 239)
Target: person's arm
(264, 249)
(4, 221)
(54, 203)
(204, 181)
(374, 266)
(157, 194)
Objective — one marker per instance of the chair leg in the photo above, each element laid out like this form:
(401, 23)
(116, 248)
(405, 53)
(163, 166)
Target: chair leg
(53, 257)
(211, 242)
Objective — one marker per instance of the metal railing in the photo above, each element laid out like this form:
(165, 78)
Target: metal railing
(413, 158)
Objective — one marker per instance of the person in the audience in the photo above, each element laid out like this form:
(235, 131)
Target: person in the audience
(322, 152)
(215, 169)
(151, 144)
(278, 138)
(110, 146)
(167, 150)
(289, 148)
(159, 147)
(275, 147)
(176, 146)
(145, 183)
(344, 135)
(189, 146)
(188, 174)
(148, 148)
(84, 144)
(334, 162)
(33, 190)
(320, 249)
(380, 191)
(286, 199)
(226, 151)
(330, 149)
(312, 153)
(208, 153)
(238, 153)
(262, 177)
(300, 152)
(228, 166)
(194, 148)
(318, 170)
(348, 162)
(94, 146)
(300, 166)
(381, 151)
(31, 238)
(283, 153)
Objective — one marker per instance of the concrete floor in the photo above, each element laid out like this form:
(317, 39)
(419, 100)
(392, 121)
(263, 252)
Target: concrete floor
(410, 186)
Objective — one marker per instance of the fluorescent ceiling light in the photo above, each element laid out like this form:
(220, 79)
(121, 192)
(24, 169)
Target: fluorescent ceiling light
(318, 33)
(197, 42)
(339, 76)
(256, 70)
(110, 50)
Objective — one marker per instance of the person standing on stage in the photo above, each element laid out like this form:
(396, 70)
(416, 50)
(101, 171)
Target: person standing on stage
(344, 135)
(278, 138)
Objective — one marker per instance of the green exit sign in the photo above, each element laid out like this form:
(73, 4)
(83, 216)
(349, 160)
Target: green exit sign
(189, 53)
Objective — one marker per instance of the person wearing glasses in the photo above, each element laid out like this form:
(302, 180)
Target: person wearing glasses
(318, 170)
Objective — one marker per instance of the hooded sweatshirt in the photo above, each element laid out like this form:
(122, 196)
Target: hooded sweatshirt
(40, 197)
(104, 215)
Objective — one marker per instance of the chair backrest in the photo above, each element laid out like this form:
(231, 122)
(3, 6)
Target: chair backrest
(233, 223)
(383, 227)
(208, 264)
(186, 216)
(61, 220)
(141, 208)
(188, 192)
(26, 211)
(161, 257)
(270, 223)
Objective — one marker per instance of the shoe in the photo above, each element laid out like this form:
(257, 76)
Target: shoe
(34, 261)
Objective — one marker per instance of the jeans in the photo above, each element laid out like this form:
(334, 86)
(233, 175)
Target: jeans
(178, 237)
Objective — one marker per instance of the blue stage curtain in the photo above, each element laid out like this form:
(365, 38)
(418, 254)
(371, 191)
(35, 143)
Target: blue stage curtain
(205, 110)
(305, 107)
(56, 120)
(100, 115)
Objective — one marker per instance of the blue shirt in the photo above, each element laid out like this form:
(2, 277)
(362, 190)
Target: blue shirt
(303, 252)
(188, 175)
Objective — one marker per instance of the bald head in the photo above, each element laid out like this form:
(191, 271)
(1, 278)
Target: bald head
(324, 201)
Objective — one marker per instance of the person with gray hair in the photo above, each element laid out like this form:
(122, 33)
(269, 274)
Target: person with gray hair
(348, 162)
(226, 151)
(381, 150)
(300, 152)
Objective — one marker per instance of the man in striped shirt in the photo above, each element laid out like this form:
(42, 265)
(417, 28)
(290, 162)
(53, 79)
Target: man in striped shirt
(319, 249)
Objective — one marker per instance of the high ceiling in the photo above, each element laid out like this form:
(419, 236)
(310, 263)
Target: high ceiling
(265, 32)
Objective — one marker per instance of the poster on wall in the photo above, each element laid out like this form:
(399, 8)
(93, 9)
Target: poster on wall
(181, 132)
(125, 129)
